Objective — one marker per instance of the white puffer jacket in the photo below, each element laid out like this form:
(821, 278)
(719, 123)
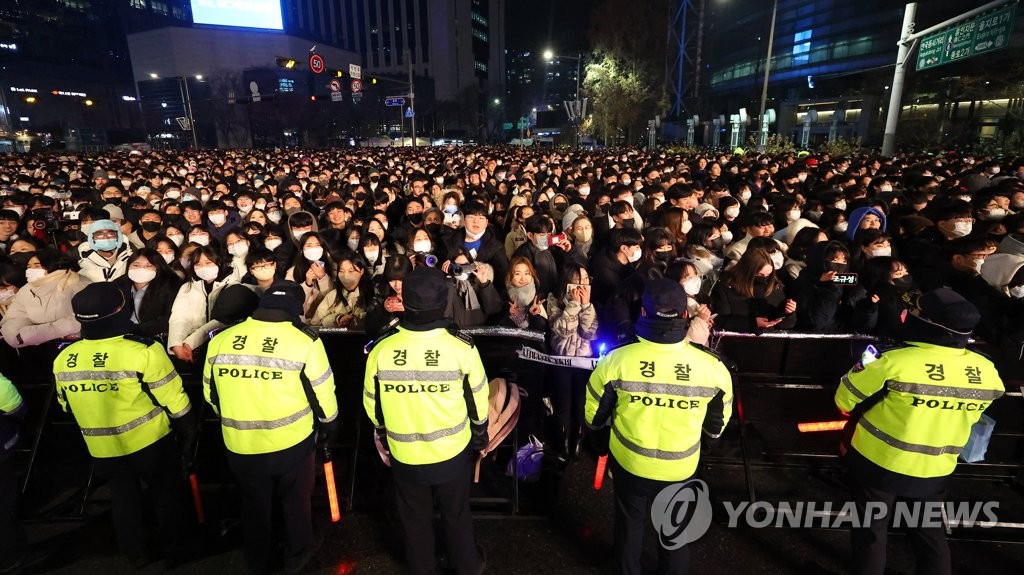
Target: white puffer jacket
(190, 321)
(41, 310)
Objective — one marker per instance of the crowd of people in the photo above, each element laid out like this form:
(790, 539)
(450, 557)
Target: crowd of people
(557, 241)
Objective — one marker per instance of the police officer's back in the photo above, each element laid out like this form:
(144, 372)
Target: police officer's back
(912, 411)
(269, 379)
(125, 396)
(426, 390)
(658, 395)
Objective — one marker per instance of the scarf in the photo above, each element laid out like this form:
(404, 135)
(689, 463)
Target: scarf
(468, 294)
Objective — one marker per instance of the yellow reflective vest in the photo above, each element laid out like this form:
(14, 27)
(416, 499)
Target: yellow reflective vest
(658, 395)
(426, 388)
(932, 397)
(110, 386)
(256, 376)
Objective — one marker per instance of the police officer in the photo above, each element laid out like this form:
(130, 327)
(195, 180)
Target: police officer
(425, 388)
(271, 383)
(658, 395)
(12, 413)
(911, 415)
(125, 396)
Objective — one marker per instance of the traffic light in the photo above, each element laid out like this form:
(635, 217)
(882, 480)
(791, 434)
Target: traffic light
(286, 63)
(373, 80)
(336, 73)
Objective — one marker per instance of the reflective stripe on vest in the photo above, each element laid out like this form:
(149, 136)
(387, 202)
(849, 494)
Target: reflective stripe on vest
(251, 425)
(478, 387)
(322, 378)
(432, 436)
(260, 361)
(944, 390)
(164, 380)
(108, 431)
(96, 375)
(850, 387)
(418, 375)
(665, 388)
(904, 446)
(654, 453)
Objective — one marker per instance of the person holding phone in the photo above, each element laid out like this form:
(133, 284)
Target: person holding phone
(750, 298)
(829, 297)
(314, 270)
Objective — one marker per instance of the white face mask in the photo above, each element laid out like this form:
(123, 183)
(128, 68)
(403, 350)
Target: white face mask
(371, 256)
(726, 237)
(584, 191)
(996, 214)
(313, 254)
(1017, 292)
(778, 259)
(172, 194)
(7, 295)
(977, 264)
(994, 170)
(218, 219)
(264, 274)
(421, 246)
(274, 216)
(792, 215)
(692, 286)
(141, 275)
(177, 239)
(961, 229)
(732, 212)
(745, 196)
(239, 250)
(207, 273)
(353, 244)
(298, 235)
(841, 227)
(879, 253)
(801, 177)
(203, 240)
(272, 243)
(885, 188)
(635, 256)
(840, 205)
(168, 258)
(32, 274)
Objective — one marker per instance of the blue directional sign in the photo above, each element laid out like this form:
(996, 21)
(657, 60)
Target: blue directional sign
(395, 102)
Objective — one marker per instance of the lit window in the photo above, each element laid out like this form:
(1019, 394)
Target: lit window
(801, 47)
(139, 4)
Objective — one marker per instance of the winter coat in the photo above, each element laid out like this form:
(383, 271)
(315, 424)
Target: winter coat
(190, 321)
(514, 239)
(737, 312)
(491, 250)
(154, 311)
(95, 268)
(41, 310)
(335, 305)
(573, 327)
(314, 294)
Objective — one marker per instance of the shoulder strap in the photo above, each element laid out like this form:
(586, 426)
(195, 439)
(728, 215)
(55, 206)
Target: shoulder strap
(307, 330)
(728, 363)
(463, 337)
(144, 340)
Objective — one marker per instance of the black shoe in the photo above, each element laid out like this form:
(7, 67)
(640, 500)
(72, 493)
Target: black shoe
(294, 565)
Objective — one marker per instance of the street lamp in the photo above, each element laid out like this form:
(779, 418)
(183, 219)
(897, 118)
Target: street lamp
(186, 101)
(549, 56)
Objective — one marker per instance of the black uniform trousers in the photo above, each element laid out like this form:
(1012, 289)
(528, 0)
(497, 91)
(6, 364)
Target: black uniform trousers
(286, 476)
(159, 467)
(633, 498)
(11, 535)
(415, 502)
(569, 395)
(869, 543)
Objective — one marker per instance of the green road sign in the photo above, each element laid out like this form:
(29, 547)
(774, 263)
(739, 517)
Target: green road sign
(974, 37)
(507, 126)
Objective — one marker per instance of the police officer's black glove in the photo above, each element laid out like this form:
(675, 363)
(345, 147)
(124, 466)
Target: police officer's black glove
(479, 441)
(187, 429)
(327, 433)
(598, 440)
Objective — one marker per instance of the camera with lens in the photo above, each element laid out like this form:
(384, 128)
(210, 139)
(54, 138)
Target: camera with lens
(423, 258)
(455, 269)
(50, 222)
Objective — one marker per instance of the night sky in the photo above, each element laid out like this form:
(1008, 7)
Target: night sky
(542, 23)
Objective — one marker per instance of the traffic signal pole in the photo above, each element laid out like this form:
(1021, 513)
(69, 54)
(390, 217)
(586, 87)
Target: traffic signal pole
(412, 97)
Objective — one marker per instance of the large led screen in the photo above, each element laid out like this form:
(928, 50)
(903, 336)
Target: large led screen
(264, 14)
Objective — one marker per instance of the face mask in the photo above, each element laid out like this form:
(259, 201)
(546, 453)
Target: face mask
(263, 274)
(541, 242)
(168, 258)
(635, 256)
(1017, 292)
(353, 244)
(105, 245)
(961, 229)
(6, 295)
(274, 216)
(313, 254)
(841, 227)
(745, 196)
(177, 239)
(204, 198)
(32, 274)
(141, 275)
(239, 250)
(792, 215)
(349, 280)
(732, 212)
(691, 286)
(994, 170)
(207, 273)
(421, 246)
(584, 191)
(272, 243)
(150, 226)
(172, 194)
(996, 214)
(188, 198)
(903, 283)
(836, 267)
(726, 238)
(371, 256)
(840, 205)
(218, 219)
(879, 253)
(885, 188)
(663, 256)
(298, 235)
(801, 177)
(977, 264)
(627, 222)
(778, 259)
(261, 206)
(203, 240)
(451, 209)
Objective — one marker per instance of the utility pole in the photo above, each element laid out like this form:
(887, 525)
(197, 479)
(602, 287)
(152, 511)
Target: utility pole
(412, 97)
(187, 100)
(767, 66)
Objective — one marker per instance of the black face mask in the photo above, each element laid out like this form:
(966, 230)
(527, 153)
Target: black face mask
(626, 222)
(433, 228)
(116, 201)
(663, 256)
(835, 267)
(414, 219)
(359, 196)
(904, 283)
(150, 226)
